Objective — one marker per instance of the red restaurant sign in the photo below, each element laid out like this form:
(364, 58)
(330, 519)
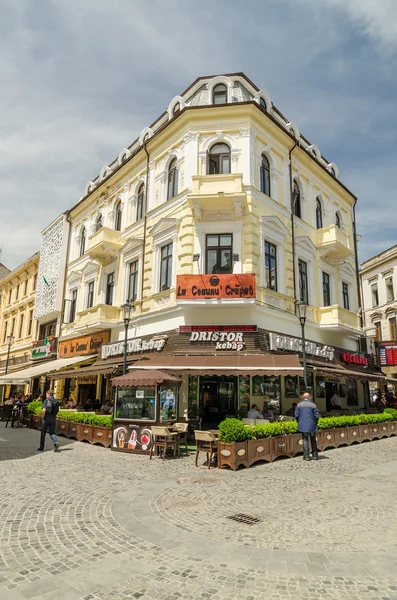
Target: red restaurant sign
(354, 359)
(215, 287)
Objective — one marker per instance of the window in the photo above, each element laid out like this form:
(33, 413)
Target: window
(303, 282)
(118, 216)
(25, 289)
(375, 297)
(90, 294)
(166, 267)
(218, 253)
(30, 324)
(21, 326)
(326, 290)
(393, 328)
(172, 189)
(12, 326)
(47, 330)
(389, 290)
(9, 296)
(35, 282)
(271, 266)
(177, 108)
(262, 103)
(132, 281)
(337, 220)
(110, 289)
(5, 332)
(219, 94)
(73, 307)
(140, 205)
(219, 160)
(98, 222)
(345, 295)
(17, 292)
(296, 200)
(82, 241)
(378, 328)
(319, 214)
(265, 176)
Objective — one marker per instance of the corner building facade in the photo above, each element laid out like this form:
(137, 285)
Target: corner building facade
(212, 225)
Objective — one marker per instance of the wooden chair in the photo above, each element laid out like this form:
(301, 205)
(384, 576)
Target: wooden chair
(181, 429)
(165, 439)
(206, 442)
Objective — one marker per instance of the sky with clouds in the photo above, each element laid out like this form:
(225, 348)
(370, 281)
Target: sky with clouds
(81, 78)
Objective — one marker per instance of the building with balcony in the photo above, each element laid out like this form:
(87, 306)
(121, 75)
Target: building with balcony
(17, 326)
(218, 219)
(379, 288)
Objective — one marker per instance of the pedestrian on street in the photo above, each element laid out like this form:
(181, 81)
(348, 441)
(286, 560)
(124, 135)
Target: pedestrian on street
(49, 412)
(307, 415)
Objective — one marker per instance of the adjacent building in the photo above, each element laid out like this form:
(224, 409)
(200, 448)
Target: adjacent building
(379, 285)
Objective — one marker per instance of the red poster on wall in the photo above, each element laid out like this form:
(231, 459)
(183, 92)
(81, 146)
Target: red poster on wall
(215, 287)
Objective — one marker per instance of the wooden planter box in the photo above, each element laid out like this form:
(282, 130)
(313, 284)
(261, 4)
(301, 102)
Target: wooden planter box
(280, 446)
(341, 437)
(296, 444)
(329, 439)
(392, 427)
(102, 436)
(259, 450)
(85, 433)
(353, 434)
(73, 430)
(36, 421)
(62, 427)
(233, 455)
(365, 433)
(384, 430)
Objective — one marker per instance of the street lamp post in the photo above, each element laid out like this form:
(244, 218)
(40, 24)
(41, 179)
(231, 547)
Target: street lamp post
(302, 308)
(127, 309)
(10, 339)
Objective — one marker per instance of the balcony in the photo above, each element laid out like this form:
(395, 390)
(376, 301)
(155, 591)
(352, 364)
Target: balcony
(104, 245)
(97, 318)
(335, 316)
(217, 193)
(334, 244)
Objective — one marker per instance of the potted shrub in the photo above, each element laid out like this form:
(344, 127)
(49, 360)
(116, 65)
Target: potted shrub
(232, 446)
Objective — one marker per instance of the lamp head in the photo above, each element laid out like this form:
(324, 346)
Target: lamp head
(10, 339)
(127, 311)
(301, 309)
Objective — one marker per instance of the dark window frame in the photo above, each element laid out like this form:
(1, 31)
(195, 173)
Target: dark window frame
(326, 286)
(140, 203)
(90, 294)
(73, 306)
(83, 236)
(271, 263)
(172, 181)
(345, 295)
(21, 320)
(166, 257)
(98, 222)
(216, 160)
(219, 91)
(378, 329)
(110, 283)
(303, 281)
(5, 332)
(337, 220)
(319, 214)
(30, 324)
(118, 216)
(25, 290)
(219, 250)
(296, 200)
(132, 288)
(265, 176)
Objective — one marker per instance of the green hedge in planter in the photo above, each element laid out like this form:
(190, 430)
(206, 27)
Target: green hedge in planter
(271, 429)
(86, 418)
(233, 430)
(391, 411)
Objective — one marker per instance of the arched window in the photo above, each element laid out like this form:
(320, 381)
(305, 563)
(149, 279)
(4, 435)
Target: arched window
(140, 203)
(296, 200)
(98, 222)
(337, 220)
(117, 217)
(82, 241)
(262, 102)
(176, 108)
(219, 159)
(319, 214)
(219, 94)
(265, 176)
(172, 189)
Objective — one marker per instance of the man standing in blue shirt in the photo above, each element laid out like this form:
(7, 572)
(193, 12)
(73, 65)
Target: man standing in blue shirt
(49, 413)
(307, 415)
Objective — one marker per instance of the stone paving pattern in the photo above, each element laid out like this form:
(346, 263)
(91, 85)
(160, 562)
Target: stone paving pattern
(90, 524)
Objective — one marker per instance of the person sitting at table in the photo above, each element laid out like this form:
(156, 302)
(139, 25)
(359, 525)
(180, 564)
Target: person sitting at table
(107, 407)
(11, 400)
(254, 412)
(291, 411)
(267, 413)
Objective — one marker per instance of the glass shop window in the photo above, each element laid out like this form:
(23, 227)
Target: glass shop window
(136, 403)
(168, 402)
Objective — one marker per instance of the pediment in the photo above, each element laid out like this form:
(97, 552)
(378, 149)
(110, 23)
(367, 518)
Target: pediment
(274, 224)
(132, 245)
(305, 244)
(91, 268)
(347, 269)
(164, 225)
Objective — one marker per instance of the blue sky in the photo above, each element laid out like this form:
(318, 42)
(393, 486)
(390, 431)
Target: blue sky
(80, 80)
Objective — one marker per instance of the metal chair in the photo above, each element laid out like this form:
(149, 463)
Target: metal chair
(206, 442)
(165, 439)
(181, 429)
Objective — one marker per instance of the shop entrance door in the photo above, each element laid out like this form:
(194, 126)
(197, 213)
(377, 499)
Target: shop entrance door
(330, 390)
(87, 392)
(218, 399)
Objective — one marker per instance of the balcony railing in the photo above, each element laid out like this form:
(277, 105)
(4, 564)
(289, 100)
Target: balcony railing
(336, 316)
(334, 243)
(101, 316)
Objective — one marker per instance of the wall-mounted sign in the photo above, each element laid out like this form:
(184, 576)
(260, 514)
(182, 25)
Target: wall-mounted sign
(215, 287)
(134, 346)
(43, 350)
(354, 359)
(284, 342)
(225, 337)
(387, 353)
(89, 344)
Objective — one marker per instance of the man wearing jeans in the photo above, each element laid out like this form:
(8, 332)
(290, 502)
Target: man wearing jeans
(307, 415)
(49, 412)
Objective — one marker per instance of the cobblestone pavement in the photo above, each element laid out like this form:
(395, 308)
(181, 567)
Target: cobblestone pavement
(91, 524)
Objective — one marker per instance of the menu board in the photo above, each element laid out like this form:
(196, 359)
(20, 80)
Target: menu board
(387, 353)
